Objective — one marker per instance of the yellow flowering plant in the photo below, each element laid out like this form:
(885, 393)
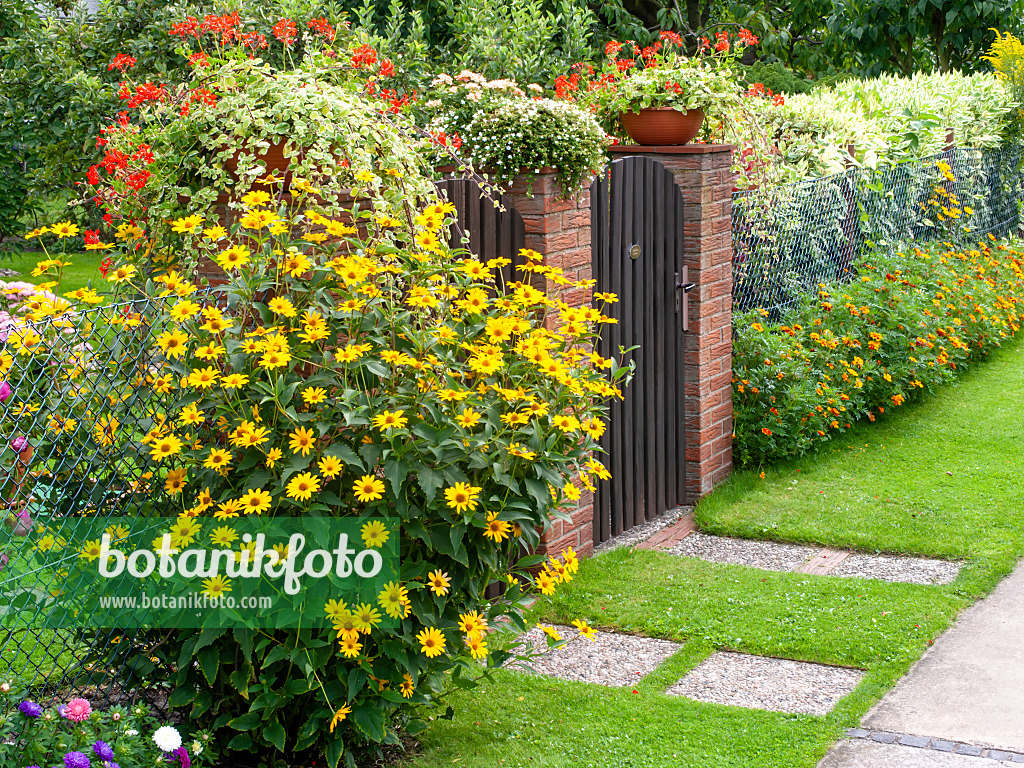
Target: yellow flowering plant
(353, 363)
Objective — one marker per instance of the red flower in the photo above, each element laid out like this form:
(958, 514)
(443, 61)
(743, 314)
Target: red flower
(199, 60)
(705, 44)
(624, 64)
(106, 264)
(364, 56)
(143, 93)
(671, 37)
(144, 153)
(387, 69)
(221, 25)
(748, 37)
(285, 31)
(108, 218)
(189, 27)
(93, 175)
(766, 431)
(138, 180)
(253, 40)
(723, 42)
(122, 62)
(612, 48)
(322, 27)
(91, 237)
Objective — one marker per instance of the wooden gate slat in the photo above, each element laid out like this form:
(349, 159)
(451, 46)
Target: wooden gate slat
(670, 323)
(599, 244)
(619, 412)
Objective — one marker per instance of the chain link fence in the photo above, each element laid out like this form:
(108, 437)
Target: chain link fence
(83, 394)
(788, 239)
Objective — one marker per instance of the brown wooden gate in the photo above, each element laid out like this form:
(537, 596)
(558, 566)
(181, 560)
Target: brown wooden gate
(637, 251)
(493, 233)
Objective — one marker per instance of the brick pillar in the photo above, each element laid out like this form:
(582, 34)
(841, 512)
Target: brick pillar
(702, 172)
(559, 228)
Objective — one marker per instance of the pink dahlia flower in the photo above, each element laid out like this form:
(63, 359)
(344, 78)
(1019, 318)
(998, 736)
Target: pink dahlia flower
(77, 710)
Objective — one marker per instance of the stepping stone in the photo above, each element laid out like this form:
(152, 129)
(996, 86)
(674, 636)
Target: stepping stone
(671, 535)
(611, 659)
(819, 561)
(758, 682)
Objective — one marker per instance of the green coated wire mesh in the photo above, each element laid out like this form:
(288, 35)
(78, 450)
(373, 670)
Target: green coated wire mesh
(81, 399)
(788, 239)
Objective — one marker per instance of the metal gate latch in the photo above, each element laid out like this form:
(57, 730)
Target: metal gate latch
(682, 288)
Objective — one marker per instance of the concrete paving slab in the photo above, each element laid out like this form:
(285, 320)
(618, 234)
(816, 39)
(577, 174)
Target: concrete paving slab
(968, 687)
(862, 753)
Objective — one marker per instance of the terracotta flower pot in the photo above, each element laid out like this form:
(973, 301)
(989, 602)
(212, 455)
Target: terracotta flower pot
(662, 126)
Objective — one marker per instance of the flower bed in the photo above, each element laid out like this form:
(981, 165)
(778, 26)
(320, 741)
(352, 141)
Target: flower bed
(852, 352)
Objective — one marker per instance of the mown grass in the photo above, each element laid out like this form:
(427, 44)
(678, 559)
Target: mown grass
(84, 270)
(937, 478)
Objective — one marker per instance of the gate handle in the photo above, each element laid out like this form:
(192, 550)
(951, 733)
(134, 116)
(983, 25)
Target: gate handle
(682, 305)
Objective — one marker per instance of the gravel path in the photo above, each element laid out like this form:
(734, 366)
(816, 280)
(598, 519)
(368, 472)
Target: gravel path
(769, 555)
(757, 682)
(611, 659)
(912, 570)
(643, 531)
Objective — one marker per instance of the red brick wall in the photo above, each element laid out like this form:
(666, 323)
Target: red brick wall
(559, 228)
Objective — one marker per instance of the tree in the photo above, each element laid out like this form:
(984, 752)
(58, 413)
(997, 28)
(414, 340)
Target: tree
(929, 35)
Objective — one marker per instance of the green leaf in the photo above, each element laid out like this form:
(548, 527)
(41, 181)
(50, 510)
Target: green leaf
(370, 721)
(209, 663)
(429, 480)
(246, 722)
(275, 735)
(344, 452)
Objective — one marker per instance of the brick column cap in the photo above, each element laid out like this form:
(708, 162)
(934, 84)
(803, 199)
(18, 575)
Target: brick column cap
(677, 149)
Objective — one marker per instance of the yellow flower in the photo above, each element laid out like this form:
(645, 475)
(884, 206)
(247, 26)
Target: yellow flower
(496, 530)
(330, 466)
(432, 642)
(334, 608)
(477, 646)
(439, 582)
(174, 483)
(223, 536)
(218, 459)
(303, 486)
(90, 550)
(302, 441)
(367, 616)
(588, 632)
(187, 224)
(255, 500)
(472, 623)
(257, 219)
(202, 378)
(121, 274)
(468, 418)
(394, 600)
(233, 258)
(545, 582)
(368, 488)
(183, 532)
(227, 509)
(234, 381)
(314, 395)
(340, 715)
(281, 306)
(184, 310)
(350, 646)
(390, 420)
(462, 497)
(172, 342)
(407, 686)
(248, 434)
(165, 447)
(216, 587)
(105, 430)
(215, 233)
(64, 229)
(550, 632)
(256, 199)
(375, 534)
(273, 456)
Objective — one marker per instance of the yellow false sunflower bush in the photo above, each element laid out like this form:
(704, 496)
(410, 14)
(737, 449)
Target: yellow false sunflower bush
(374, 372)
(906, 323)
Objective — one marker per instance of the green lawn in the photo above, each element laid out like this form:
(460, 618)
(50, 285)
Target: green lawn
(937, 478)
(85, 267)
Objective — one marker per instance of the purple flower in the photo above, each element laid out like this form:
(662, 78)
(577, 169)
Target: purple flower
(76, 760)
(4, 559)
(103, 750)
(182, 754)
(30, 709)
(19, 444)
(5, 392)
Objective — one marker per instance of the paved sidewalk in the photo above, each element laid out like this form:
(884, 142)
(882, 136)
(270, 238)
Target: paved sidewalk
(969, 687)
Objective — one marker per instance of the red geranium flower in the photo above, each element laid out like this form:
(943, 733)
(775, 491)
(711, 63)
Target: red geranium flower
(122, 62)
(322, 27)
(285, 31)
